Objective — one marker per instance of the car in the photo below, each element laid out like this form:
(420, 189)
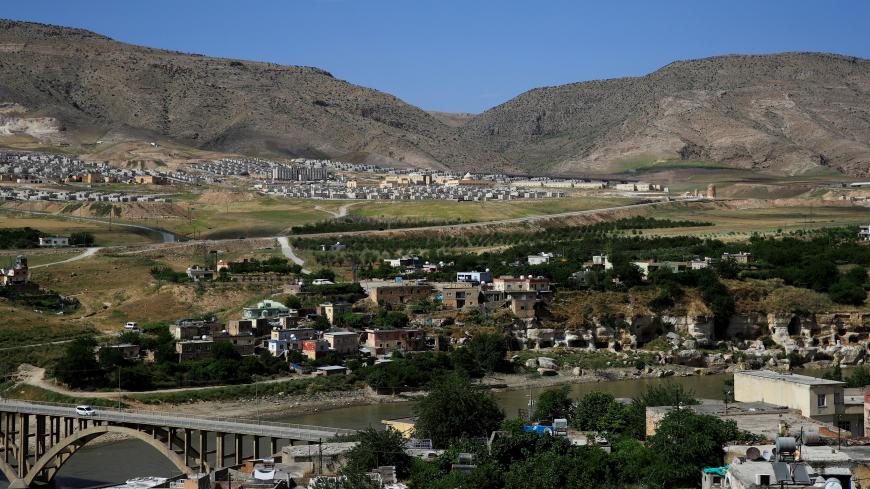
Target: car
(84, 410)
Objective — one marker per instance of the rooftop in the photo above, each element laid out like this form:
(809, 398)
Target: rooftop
(788, 377)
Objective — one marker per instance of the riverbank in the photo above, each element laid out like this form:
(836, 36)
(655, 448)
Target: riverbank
(282, 406)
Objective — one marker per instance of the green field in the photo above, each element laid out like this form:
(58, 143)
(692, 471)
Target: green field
(482, 211)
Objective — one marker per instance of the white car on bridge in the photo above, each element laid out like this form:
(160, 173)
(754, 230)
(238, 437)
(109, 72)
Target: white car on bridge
(84, 410)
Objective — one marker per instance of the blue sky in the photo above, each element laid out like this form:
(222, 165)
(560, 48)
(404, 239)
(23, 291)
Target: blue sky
(467, 56)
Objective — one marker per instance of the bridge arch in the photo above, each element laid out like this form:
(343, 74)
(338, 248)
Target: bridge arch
(54, 458)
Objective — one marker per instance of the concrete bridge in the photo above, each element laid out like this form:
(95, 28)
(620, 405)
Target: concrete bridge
(37, 439)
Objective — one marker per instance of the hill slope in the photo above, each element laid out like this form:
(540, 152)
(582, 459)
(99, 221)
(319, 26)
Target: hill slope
(67, 84)
(786, 113)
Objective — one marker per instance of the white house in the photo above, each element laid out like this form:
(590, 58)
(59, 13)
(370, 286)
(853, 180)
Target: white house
(53, 241)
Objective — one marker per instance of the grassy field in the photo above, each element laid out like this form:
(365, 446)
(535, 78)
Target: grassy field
(262, 216)
(482, 211)
(104, 235)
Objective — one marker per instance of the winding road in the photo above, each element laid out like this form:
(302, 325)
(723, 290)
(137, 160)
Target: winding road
(89, 252)
(287, 250)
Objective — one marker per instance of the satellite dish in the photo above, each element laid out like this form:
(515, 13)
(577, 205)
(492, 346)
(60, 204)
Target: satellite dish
(766, 455)
(753, 454)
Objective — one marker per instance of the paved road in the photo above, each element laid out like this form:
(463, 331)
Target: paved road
(288, 252)
(87, 253)
(285, 431)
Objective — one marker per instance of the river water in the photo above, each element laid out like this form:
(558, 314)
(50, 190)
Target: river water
(116, 462)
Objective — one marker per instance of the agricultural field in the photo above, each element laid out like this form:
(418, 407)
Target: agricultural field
(734, 224)
(483, 211)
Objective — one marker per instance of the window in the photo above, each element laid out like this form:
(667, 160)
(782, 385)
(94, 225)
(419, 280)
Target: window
(822, 400)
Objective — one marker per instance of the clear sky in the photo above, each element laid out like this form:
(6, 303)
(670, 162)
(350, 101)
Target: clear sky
(467, 55)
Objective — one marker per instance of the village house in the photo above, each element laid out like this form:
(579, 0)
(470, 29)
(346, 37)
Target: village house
(244, 344)
(198, 273)
(741, 258)
(284, 340)
(314, 349)
(457, 295)
(334, 310)
(540, 259)
(128, 351)
(522, 284)
(815, 398)
(17, 275)
(382, 341)
(266, 309)
(193, 349)
(342, 342)
(382, 292)
(53, 241)
(864, 233)
(474, 277)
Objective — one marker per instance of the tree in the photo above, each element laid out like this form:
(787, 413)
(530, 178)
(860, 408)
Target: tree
(379, 448)
(483, 353)
(591, 410)
(81, 239)
(554, 404)
(685, 443)
(859, 377)
(78, 367)
(454, 409)
(323, 273)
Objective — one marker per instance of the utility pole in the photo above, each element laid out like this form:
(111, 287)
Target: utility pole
(119, 387)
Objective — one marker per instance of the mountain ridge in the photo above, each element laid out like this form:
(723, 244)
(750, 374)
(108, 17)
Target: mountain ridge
(787, 113)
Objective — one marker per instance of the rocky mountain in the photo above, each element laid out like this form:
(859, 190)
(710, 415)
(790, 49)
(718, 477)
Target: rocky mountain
(67, 84)
(784, 114)
(787, 114)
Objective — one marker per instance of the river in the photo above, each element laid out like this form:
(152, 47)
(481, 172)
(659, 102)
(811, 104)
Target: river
(116, 462)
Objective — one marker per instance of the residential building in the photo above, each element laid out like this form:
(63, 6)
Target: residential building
(17, 275)
(330, 370)
(198, 273)
(314, 349)
(187, 329)
(244, 344)
(383, 341)
(405, 262)
(700, 263)
(648, 266)
(540, 259)
(522, 305)
(236, 327)
(741, 258)
(864, 233)
(522, 284)
(127, 350)
(283, 340)
(342, 342)
(266, 309)
(193, 349)
(457, 295)
(53, 241)
(474, 277)
(816, 398)
(150, 180)
(334, 310)
(396, 293)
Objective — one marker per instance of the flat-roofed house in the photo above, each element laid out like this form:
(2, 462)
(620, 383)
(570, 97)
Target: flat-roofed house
(816, 398)
(342, 341)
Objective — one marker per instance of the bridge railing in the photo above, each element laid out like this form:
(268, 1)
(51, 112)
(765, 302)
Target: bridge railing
(182, 417)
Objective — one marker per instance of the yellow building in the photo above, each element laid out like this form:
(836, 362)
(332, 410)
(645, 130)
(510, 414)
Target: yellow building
(816, 398)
